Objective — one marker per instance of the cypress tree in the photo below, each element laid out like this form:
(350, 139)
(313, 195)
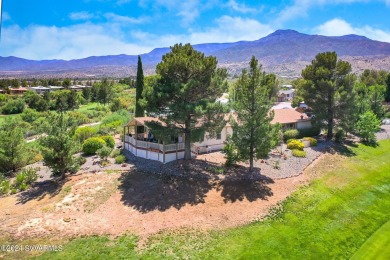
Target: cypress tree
(139, 112)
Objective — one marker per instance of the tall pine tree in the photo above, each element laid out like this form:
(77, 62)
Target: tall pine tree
(253, 135)
(328, 89)
(183, 95)
(139, 111)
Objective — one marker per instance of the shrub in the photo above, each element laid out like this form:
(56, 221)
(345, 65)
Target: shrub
(110, 141)
(30, 115)
(387, 115)
(83, 133)
(338, 137)
(313, 142)
(119, 159)
(30, 175)
(230, 152)
(91, 145)
(82, 160)
(309, 132)
(5, 186)
(298, 153)
(295, 144)
(290, 134)
(13, 107)
(104, 152)
(115, 153)
(367, 125)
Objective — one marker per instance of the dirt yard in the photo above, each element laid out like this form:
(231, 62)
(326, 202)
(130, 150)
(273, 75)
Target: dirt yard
(135, 201)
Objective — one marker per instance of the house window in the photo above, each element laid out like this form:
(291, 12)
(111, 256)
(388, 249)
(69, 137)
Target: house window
(219, 136)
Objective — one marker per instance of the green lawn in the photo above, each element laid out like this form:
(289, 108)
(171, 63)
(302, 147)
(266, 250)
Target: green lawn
(377, 246)
(331, 218)
(89, 106)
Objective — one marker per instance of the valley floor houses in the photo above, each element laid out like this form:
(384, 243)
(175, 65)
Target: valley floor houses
(140, 141)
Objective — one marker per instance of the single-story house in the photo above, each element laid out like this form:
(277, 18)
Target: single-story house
(291, 119)
(140, 141)
(78, 87)
(17, 91)
(286, 95)
(40, 89)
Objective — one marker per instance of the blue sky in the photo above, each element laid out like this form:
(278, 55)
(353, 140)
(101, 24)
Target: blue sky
(71, 29)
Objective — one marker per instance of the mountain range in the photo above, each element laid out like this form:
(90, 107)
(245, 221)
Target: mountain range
(284, 52)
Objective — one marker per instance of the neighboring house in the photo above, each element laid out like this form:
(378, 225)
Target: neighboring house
(17, 91)
(54, 88)
(286, 95)
(78, 87)
(224, 99)
(303, 105)
(40, 89)
(141, 142)
(291, 119)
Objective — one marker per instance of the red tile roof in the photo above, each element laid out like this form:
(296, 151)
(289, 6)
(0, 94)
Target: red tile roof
(286, 116)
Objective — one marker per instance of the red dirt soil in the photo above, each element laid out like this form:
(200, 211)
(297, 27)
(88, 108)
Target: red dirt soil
(142, 203)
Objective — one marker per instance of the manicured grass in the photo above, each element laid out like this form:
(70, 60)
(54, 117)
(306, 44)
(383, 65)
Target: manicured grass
(377, 246)
(330, 218)
(89, 106)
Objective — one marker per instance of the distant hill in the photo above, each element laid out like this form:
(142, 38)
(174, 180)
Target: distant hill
(284, 52)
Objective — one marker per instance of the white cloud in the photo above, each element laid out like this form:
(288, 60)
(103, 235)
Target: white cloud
(187, 10)
(87, 39)
(231, 29)
(242, 8)
(77, 41)
(300, 8)
(338, 27)
(81, 16)
(228, 29)
(122, 19)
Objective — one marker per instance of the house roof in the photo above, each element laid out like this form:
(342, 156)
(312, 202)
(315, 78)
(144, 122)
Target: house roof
(290, 91)
(286, 116)
(142, 120)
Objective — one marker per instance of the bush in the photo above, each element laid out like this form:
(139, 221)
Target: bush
(119, 159)
(295, 145)
(110, 141)
(290, 134)
(25, 178)
(298, 153)
(309, 132)
(115, 153)
(313, 142)
(230, 152)
(104, 152)
(82, 160)
(338, 137)
(83, 133)
(387, 115)
(13, 107)
(91, 145)
(5, 186)
(30, 175)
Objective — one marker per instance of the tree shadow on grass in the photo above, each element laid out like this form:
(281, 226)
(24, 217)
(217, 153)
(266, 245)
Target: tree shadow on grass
(239, 185)
(39, 190)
